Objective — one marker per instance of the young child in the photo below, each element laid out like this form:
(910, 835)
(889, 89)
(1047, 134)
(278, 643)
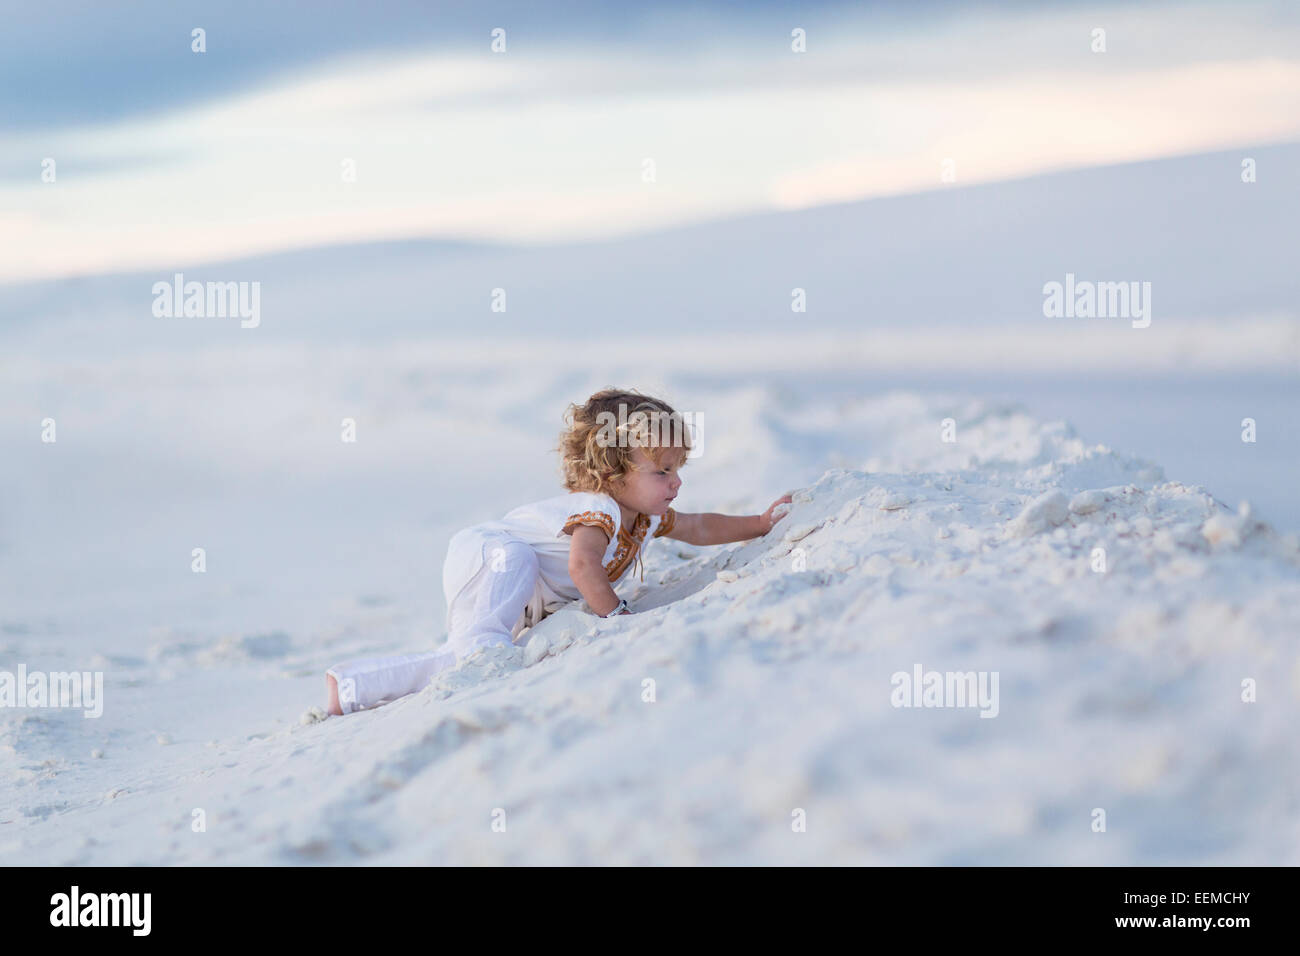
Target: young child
(621, 468)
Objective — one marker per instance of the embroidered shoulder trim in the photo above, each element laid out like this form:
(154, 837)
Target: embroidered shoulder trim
(666, 523)
(629, 547)
(595, 519)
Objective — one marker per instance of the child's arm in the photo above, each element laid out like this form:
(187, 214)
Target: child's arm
(710, 528)
(586, 554)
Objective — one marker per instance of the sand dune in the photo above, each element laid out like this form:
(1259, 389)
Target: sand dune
(773, 668)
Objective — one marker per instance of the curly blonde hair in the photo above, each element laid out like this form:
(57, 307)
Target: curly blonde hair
(600, 435)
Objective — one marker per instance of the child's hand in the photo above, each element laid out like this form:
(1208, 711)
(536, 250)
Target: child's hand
(775, 512)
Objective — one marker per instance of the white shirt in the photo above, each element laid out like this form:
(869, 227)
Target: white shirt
(545, 526)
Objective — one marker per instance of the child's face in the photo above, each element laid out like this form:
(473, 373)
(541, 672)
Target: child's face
(649, 488)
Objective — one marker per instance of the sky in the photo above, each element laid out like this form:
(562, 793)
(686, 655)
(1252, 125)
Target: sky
(306, 124)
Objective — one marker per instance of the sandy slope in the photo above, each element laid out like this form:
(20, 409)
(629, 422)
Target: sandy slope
(771, 665)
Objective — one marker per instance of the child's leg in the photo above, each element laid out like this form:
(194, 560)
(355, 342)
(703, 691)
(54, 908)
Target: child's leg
(484, 613)
(488, 608)
(366, 683)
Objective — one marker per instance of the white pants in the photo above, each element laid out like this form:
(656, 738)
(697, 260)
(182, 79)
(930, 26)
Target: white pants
(486, 610)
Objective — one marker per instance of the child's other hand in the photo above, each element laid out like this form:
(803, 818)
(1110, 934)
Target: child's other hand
(776, 512)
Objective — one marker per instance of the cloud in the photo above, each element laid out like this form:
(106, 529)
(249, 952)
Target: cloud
(553, 144)
(1001, 131)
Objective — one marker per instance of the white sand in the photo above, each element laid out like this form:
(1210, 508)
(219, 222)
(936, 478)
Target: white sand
(771, 661)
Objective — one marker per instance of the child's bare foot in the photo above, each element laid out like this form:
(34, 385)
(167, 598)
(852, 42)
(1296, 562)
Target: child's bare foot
(333, 687)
